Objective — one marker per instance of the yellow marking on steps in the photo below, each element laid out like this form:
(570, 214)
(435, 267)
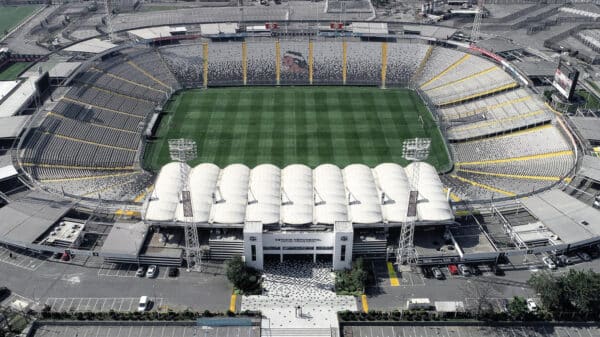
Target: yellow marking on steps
(150, 76)
(479, 73)
(484, 186)
(120, 94)
(365, 304)
(423, 63)
(84, 104)
(487, 92)
(392, 273)
(128, 213)
(143, 194)
(56, 115)
(450, 67)
(126, 80)
(515, 133)
(499, 121)
(87, 141)
(515, 176)
(54, 180)
(448, 115)
(74, 167)
(453, 196)
(514, 159)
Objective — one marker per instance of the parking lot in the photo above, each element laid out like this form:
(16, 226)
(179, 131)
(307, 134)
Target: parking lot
(472, 331)
(21, 258)
(125, 270)
(145, 331)
(100, 304)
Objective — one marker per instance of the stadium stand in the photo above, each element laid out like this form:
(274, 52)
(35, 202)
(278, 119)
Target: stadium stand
(502, 137)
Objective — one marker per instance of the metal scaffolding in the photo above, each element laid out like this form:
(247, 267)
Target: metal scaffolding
(184, 150)
(415, 150)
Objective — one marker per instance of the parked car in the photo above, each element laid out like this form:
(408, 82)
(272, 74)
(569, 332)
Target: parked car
(584, 256)
(173, 272)
(531, 305)
(548, 262)
(143, 304)
(437, 273)
(57, 255)
(4, 293)
(453, 269)
(475, 269)
(141, 271)
(464, 270)
(152, 271)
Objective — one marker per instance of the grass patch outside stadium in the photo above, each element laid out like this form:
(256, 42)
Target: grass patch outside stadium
(288, 125)
(11, 16)
(13, 71)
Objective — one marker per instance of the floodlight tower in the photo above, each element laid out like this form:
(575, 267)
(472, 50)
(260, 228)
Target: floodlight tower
(183, 150)
(477, 21)
(414, 150)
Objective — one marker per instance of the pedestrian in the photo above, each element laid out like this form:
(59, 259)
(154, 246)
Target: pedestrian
(10, 255)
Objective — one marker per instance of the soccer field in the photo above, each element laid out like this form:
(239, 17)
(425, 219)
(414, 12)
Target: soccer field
(287, 125)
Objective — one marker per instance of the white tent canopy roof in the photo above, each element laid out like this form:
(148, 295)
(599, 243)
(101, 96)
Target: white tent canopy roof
(297, 194)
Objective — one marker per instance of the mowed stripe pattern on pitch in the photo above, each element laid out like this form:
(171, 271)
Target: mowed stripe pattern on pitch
(308, 125)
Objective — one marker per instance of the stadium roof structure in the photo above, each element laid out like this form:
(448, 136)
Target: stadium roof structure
(538, 68)
(7, 170)
(125, 239)
(152, 32)
(588, 127)
(26, 219)
(570, 219)
(297, 194)
(10, 127)
(92, 46)
(498, 45)
(218, 28)
(18, 98)
(6, 87)
(64, 69)
(590, 167)
(370, 28)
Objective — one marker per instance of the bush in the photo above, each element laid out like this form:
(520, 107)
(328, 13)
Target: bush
(245, 279)
(353, 281)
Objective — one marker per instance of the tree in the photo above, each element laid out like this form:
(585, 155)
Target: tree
(243, 278)
(481, 293)
(582, 288)
(353, 280)
(551, 290)
(517, 308)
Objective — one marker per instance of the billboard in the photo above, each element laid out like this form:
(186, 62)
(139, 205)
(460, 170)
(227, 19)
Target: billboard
(565, 80)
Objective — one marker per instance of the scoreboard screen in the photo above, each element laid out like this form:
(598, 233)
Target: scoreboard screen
(565, 80)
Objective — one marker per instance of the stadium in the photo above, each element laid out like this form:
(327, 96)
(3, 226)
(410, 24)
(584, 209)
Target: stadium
(299, 151)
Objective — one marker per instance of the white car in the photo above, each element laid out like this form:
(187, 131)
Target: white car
(531, 305)
(549, 263)
(143, 304)
(152, 270)
(464, 270)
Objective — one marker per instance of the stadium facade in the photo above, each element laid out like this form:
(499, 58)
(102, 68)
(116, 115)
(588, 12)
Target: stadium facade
(86, 145)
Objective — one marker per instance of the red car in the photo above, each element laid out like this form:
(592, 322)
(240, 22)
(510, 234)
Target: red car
(453, 269)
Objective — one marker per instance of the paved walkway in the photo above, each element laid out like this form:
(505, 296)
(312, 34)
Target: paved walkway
(294, 283)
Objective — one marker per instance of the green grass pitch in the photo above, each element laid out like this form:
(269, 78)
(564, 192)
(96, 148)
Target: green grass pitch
(287, 125)
(11, 16)
(13, 71)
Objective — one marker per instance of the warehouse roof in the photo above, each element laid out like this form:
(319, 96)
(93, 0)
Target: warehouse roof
(297, 194)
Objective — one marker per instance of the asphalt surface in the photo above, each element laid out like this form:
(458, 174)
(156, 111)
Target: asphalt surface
(90, 285)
